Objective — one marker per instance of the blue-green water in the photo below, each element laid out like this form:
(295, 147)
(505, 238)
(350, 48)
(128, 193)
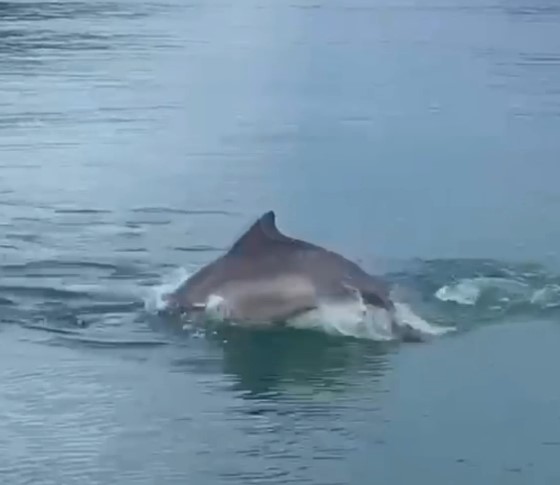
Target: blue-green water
(139, 138)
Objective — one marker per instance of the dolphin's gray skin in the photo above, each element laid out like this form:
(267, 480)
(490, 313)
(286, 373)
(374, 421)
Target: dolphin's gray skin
(267, 276)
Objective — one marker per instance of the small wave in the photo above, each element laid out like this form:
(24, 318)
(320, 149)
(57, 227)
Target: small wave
(81, 211)
(50, 329)
(25, 237)
(110, 342)
(137, 249)
(42, 292)
(55, 265)
(200, 248)
(110, 308)
(172, 210)
(499, 292)
(78, 336)
(145, 222)
(408, 319)
(547, 297)
(6, 301)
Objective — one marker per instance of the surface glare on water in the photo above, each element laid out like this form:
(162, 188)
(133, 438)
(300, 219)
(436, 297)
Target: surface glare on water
(139, 138)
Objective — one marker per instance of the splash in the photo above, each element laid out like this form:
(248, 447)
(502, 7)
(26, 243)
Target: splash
(350, 319)
(356, 319)
(547, 297)
(407, 318)
(465, 292)
(155, 298)
(499, 292)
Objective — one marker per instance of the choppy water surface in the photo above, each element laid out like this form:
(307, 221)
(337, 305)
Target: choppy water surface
(138, 139)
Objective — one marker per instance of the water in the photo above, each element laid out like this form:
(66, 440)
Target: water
(138, 139)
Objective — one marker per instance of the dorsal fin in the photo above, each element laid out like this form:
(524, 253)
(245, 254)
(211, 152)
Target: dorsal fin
(262, 233)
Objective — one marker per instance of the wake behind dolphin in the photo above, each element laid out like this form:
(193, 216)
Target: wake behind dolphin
(267, 278)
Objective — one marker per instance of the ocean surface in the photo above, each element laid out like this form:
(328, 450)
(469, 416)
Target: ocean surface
(139, 138)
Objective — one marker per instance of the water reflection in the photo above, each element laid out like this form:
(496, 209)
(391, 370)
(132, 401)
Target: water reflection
(267, 363)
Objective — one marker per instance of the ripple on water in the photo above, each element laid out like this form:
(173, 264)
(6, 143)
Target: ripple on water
(188, 212)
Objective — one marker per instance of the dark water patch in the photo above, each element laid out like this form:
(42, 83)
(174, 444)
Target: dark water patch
(307, 6)
(28, 219)
(22, 203)
(30, 118)
(39, 292)
(58, 314)
(113, 308)
(55, 10)
(109, 343)
(137, 249)
(6, 301)
(132, 233)
(540, 59)
(397, 8)
(531, 9)
(133, 225)
(26, 237)
(80, 223)
(54, 265)
(271, 475)
(41, 42)
(51, 329)
(199, 248)
(47, 145)
(189, 212)
(152, 222)
(81, 211)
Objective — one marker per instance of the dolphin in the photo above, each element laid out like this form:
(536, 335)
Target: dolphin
(267, 277)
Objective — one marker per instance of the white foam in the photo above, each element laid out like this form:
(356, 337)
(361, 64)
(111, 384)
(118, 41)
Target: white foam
(216, 308)
(346, 318)
(547, 297)
(406, 317)
(358, 320)
(469, 290)
(155, 299)
(464, 293)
